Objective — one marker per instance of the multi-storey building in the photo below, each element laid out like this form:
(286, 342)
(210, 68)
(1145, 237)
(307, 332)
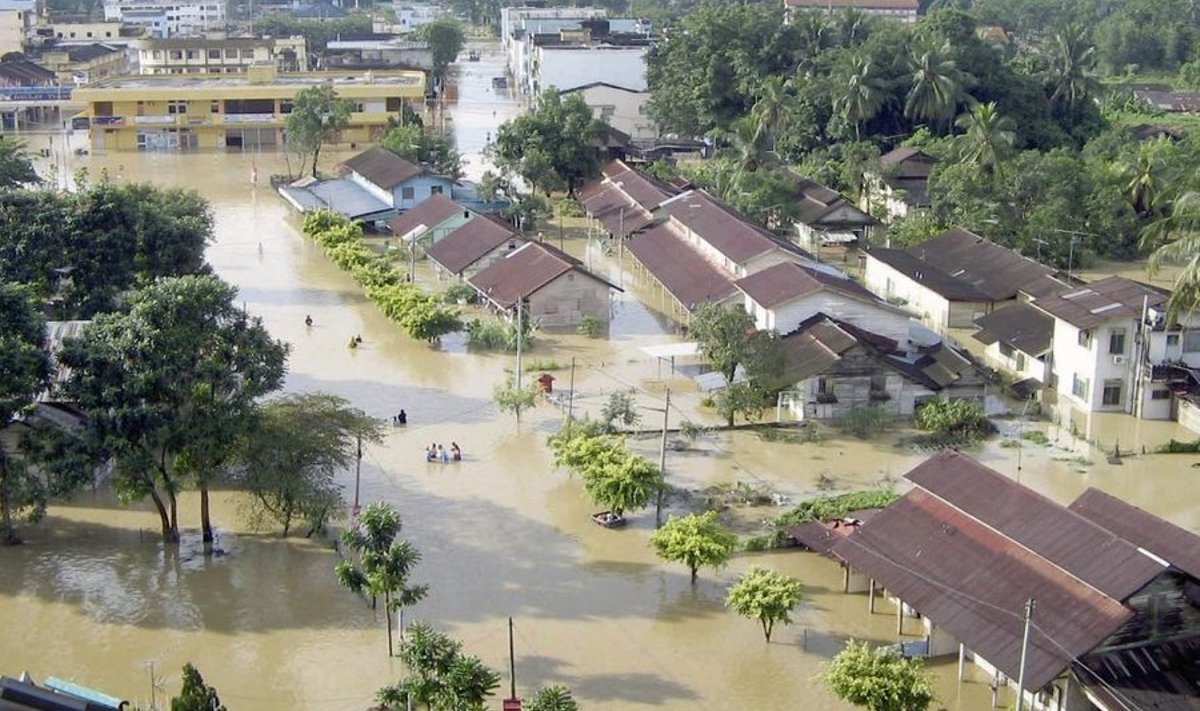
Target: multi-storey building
(232, 111)
(82, 64)
(16, 21)
(902, 10)
(227, 55)
(168, 18)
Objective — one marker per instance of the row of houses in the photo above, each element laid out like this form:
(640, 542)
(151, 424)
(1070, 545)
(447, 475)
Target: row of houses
(1111, 592)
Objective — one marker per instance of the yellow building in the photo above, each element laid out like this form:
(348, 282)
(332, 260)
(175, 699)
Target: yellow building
(233, 111)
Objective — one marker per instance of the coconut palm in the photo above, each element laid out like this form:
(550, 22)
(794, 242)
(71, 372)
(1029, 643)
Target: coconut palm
(851, 26)
(936, 87)
(1176, 240)
(1071, 59)
(988, 136)
(1143, 176)
(772, 110)
(866, 93)
(814, 36)
(748, 148)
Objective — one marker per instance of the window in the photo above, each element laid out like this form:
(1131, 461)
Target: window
(231, 54)
(214, 54)
(247, 54)
(1085, 338)
(1116, 341)
(1161, 394)
(1006, 350)
(156, 54)
(407, 193)
(1112, 392)
(1191, 341)
(1020, 361)
(285, 106)
(1080, 387)
(193, 54)
(1172, 339)
(435, 190)
(825, 392)
(177, 54)
(176, 107)
(214, 107)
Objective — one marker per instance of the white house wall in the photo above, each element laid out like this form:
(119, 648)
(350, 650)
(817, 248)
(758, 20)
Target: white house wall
(1033, 368)
(787, 317)
(626, 110)
(1095, 364)
(888, 284)
(564, 68)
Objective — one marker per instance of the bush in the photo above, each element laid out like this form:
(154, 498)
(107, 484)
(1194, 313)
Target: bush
(1036, 436)
(866, 422)
(590, 326)
(459, 293)
(496, 335)
(570, 207)
(955, 420)
(825, 508)
(1176, 447)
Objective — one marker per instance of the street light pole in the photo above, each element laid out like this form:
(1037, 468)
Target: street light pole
(662, 462)
(1029, 604)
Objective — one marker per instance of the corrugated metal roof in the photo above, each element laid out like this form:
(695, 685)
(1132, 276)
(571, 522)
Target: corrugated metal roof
(815, 346)
(1177, 546)
(689, 277)
(1161, 677)
(470, 243)
(998, 272)
(972, 581)
(524, 271)
(905, 162)
(1097, 557)
(1113, 297)
(817, 201)
(349, 198)
(731, 235)
(623, 198)
(1021, 326)
(382, 167)
(430, 212)
(927, 275)
(788, 281)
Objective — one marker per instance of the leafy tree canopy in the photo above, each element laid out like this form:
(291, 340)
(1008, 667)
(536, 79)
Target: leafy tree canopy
(695, 540)
(764, 595)
(554, 146)
(879, 679)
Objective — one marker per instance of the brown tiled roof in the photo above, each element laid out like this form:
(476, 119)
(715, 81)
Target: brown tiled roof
(430, 212)
(788, 281)
(623, 198)
(470, 243)
(972, 581)
(1102, 301)
(731, 235)
(525, 270)
(861, 4)
(1021, 326)
(689, 277)
(816, 202)
(1177, 546)
(1093, 555)
(382, 167)
(816, 345)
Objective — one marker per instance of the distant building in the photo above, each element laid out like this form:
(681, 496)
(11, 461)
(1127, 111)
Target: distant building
(902, 186)
(168, 18)
(622, 108)
(824, 217)
(84, 64)
(320, 10)
(904, 11)
(551, 287)
(24, 73)
(382, 52)
(17, 18)
(244, 111)
(473, 246)
(229, 55)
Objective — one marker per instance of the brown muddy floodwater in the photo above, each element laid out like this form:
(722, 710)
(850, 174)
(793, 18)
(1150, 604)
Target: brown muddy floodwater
(95, 598)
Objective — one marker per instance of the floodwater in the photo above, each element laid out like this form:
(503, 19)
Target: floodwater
(96, 598)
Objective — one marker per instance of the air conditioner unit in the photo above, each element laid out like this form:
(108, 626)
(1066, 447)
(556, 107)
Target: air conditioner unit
(1118, 360)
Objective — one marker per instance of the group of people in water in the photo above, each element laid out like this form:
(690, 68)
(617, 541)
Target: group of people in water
(436, 453)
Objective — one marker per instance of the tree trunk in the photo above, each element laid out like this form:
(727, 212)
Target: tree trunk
(767, 628)
(174, 529)
(206, 533)
(316, 156)
(7, 532)
(387, 616)
(164, 519)
(694, 569)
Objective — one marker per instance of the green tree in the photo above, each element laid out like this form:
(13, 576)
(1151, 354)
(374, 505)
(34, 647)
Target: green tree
(555, 144)
(24, 373)
(445, 39)
(728, 338)
(766, 596)
(695, 540)
(428, 320)
(384, 564)
(1071, 60)
(553, 698)
(865, 93)
(170, 388)
(936, 88)
(292, 456)
(772, 111)
(988, 136)
(318, 116)
(440, 676)
(412, 142)
(620, 410)
(195, 694)
(16, 168)
(627, 486)
(509, 398)
(879, 680)
(747, 399)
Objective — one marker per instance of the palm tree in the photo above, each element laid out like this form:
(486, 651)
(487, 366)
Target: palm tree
(988, 137)
(851, 26)
(748, 147)
(936, 87)
(1176, 240)
(772, 109)
(1071, 59)
(1143, 177)
(866, 93)
(812, 30)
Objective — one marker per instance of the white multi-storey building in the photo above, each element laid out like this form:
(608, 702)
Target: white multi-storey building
(168, 18)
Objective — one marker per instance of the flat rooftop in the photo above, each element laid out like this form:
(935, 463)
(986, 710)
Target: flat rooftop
(169, 81)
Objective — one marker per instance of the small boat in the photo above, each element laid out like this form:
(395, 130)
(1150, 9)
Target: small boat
(499, 82)
(608, 519)
(472, 56)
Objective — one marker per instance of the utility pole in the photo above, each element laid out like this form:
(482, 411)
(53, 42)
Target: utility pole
(662, 462)
(571, 394)
(1029, 604)
(512, 663)
(520, 337)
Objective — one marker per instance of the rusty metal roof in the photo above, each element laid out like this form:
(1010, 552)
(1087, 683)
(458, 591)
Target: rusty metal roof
(972, 581)
(430, 212)
(382, 167)
(1021, 326)
(524, 271)
(681, 270)
(1177, 546)
(1095, 556)
(736, 238)
(470, 243)
(998, 272)
(1113, 297)
(788, 281)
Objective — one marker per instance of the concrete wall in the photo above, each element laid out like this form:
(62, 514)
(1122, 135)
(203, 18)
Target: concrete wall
(566, 68)
(422, 187)
(850, 382)
(1189, 416)
(565, 301)
(876, 318)
(1031, 367)
(623, 110)
(15, 21)
(1094, 364)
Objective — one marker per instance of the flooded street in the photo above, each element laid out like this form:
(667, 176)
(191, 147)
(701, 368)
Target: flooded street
(95, 598)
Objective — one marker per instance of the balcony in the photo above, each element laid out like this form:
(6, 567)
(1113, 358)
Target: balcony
(228, 119)
(169, 120)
